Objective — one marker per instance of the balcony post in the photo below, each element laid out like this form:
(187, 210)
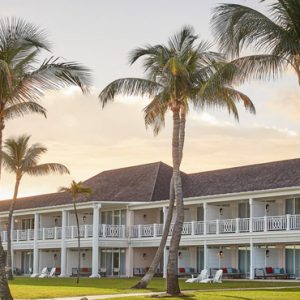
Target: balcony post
(139, 231)
(155, 230)
(237, 225)
(193, 227)
(123, 231)
(35, 245)
(95, 253)
(18, 231)
(265, 223)
(104, 230)
(63, 265)
(288, 222)
(85, 230)
(55, 233)
(204, 218)
(217, 226)
(44, 234)
(251, 215)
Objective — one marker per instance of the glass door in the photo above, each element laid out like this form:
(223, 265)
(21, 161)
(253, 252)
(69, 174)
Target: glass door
(26, 262)
(244, 261)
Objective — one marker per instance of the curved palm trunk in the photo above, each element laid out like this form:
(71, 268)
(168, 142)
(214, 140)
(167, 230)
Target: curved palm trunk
(9, 233)
(172, 278)
(78, 240)
(143, 283)
(4, 288)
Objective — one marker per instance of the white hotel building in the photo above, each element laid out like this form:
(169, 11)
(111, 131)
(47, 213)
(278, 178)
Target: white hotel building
(244, 218)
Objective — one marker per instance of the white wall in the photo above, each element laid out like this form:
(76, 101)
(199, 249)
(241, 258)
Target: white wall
(229, 211)
(228, 259)
(141, 261)
(147, 216)
(72, 259)
(275, 259)
(87, 214)
(47, 259)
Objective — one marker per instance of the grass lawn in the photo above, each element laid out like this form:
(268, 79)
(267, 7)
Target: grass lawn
(33, 288)
(287, 294)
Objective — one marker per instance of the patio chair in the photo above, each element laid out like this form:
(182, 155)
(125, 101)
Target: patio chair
(102, 272)
(117, 270)
(216, 279)
(202, 276)
(52, 272)
(44, 273)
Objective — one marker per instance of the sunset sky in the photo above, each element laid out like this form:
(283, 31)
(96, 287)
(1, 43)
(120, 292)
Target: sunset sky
(88, 140)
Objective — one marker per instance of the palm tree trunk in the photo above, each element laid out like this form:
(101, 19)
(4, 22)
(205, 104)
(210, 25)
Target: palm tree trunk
(9, 233)
(143, 283)
(4, 288)
(78, 239)
(172, 278)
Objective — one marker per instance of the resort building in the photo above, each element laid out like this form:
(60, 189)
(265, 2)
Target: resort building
(244, 218)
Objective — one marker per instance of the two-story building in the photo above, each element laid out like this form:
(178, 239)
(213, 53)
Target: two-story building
(245, 217)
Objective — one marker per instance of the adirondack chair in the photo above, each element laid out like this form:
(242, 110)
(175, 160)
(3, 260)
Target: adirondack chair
(44, 273)
(216, 279)
(52, 272)
(202, 276)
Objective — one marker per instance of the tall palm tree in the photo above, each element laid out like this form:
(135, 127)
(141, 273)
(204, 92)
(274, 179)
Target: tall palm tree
(24, 79)
(180, 74)
(276, 38)
(76, 189)
(21, 159)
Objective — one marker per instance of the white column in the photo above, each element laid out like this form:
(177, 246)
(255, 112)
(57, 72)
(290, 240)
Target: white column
(63, 262)
(166, 254)
(35, 246)
(129, 262)
(251, 260)
(251, 214)
(12, 228)
(204, 218)
(205, 265)
(95, 254)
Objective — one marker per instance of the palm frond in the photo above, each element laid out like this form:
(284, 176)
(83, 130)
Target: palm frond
(23, 108)
(48, 168)
(129, 87)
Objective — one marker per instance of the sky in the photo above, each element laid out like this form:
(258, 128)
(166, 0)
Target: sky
(88, 140)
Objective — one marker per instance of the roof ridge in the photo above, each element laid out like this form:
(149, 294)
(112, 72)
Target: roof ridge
(155, 180)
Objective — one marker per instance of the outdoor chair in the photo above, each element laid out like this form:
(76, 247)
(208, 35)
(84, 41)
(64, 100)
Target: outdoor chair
(117, 270)
(216, 279)
(102, 272)
(202, 276)
(52, 272)
(44, 273)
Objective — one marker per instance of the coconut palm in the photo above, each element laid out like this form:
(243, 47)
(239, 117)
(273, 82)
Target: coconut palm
(276, 38)
(21, 159)
(181, 74)
(76, 189)
(24, 78)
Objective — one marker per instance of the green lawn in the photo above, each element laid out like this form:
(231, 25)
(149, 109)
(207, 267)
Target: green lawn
(287, 294)
(33, 288)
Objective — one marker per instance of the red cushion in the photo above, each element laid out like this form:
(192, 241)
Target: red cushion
(269, 270)
(224, 270)
(85, 270)
(181, 270)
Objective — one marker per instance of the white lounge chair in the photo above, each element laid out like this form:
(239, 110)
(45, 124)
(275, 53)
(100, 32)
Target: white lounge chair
(44, 273)
(52, 272)
(216, 279)
(202, 276)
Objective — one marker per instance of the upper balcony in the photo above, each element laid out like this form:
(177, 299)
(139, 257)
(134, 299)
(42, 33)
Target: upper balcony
(193, 228)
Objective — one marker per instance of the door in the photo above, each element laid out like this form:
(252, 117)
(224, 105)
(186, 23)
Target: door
(26, 262)
(244, 261)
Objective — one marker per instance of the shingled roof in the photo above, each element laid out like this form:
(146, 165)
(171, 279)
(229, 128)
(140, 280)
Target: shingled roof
(143, 183)
(150, 182)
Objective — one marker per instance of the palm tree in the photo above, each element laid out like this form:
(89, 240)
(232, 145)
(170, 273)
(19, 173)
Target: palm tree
(179, 74)
(76, 189)
(276, 38)
(24, 79)
(21, 159)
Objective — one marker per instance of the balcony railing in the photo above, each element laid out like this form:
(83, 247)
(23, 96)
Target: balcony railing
(211, 227)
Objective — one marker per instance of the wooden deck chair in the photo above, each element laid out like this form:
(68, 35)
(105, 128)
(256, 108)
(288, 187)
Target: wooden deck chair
(216, 279)
(202, 276)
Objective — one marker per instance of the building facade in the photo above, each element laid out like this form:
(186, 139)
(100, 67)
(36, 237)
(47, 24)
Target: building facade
(244, 218)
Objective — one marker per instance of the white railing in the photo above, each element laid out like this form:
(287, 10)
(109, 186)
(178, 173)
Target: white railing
(212, 227)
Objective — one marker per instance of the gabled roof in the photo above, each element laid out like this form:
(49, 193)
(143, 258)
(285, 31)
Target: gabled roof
(143, 183)
(265, 176)
(150, 182)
